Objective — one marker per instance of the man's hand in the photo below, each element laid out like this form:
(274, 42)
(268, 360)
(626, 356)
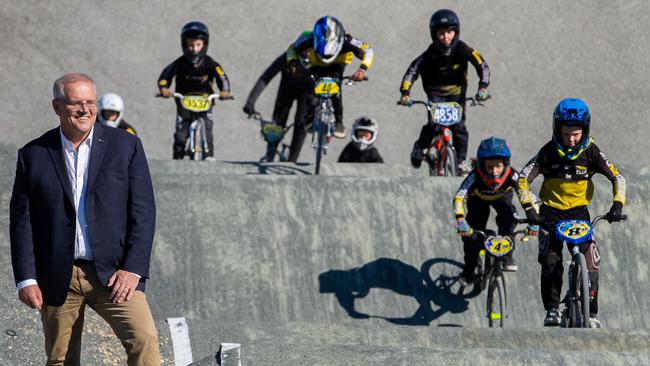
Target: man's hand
(31, 296)
(358, 75)
(405, 100)
(122, 284)
(166, 93)
(482, 94)
(462, 227)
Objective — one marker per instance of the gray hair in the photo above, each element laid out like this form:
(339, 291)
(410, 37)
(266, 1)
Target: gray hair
(72, 77)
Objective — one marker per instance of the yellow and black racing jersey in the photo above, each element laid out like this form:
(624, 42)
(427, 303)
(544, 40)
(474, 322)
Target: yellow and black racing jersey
(473, 186)
(303, 49)
(567, 183)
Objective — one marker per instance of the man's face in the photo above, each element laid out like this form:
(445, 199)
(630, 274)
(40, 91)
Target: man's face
(445, 36)
(194, 45)
(571, 135)
(77, 110)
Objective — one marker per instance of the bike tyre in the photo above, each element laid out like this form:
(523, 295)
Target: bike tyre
(198, 145)
(584, 291)
(496, 302)
(319, 129)
(448, 162)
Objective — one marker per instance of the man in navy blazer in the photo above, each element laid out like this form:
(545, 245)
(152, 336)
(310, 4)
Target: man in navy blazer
(82, 223)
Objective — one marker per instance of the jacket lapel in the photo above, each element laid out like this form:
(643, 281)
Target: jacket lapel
(97, 151)
(55, 149)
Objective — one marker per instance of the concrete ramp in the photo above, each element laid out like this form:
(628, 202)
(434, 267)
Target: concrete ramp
(349, 260)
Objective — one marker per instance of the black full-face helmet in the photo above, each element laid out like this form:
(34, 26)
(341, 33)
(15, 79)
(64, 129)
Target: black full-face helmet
(444, 19)
(195, 30)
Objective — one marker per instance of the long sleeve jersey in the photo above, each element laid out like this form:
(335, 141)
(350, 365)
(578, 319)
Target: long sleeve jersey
(302, 49)
(567, 183)
(473, 186)
(194, 78)
(445, 75)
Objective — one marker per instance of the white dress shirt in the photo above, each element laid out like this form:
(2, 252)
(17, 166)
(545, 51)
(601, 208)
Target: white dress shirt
(76, 163)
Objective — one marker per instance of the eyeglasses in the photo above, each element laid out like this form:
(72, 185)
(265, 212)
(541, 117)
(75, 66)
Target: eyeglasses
(78, 105)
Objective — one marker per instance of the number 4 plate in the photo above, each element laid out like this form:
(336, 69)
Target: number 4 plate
(446, 114)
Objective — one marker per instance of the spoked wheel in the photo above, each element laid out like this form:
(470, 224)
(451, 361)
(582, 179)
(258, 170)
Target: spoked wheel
(496, 301)
(448, 162)
(319, 130)
(579, 295)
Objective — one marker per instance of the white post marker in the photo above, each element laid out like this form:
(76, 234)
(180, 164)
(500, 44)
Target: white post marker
(180, 341)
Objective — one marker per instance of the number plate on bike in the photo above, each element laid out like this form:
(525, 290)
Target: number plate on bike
(573, 231)
(272, 132)
(326, 87)
(196, 103)
(446, 114)
(499, 246)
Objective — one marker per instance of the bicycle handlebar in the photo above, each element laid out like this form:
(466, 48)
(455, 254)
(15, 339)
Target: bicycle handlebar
(211, 97)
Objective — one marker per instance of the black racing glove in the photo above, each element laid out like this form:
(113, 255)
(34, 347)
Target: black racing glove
(533, 216)
(249, 109)
(615, 212)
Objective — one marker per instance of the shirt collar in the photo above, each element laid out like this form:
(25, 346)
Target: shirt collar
(70, 146)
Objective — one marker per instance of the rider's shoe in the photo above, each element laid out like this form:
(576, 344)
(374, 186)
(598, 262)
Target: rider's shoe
(417, 155)
(552, 318)
(509, 264)
(339, 131)
(464, 167)
(594, 323)
(210, 158)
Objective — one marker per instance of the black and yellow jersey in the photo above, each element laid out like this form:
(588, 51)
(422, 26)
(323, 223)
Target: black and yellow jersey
(195, 79)
(127, 127)
(567, 183)
(473, 187)
(445, 75)
(303, 49)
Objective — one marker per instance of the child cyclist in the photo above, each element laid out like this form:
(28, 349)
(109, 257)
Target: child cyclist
(443, 67)
(327, 52)
(195, 72)
(361, 150)
(567, 163)
(110, 112)
(491, 184)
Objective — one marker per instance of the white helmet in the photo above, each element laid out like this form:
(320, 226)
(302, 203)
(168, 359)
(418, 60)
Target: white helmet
(110, 102)
(366, 124)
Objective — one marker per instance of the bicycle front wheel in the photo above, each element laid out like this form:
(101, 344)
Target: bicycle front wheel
(448, 162)
(496, 301)
(198, 142)
(579, 293)
(319, 130)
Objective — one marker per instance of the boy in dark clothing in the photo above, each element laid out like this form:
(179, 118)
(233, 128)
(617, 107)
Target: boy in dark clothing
(327, 52)
(443, 67)
(360, 149)
(293, 87)
(568, 162)
(195, 72)
(491, 184)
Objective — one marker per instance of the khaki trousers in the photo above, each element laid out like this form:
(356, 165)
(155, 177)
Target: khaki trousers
(131, 321)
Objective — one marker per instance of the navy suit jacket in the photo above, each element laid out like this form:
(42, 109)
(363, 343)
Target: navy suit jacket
(120, 211)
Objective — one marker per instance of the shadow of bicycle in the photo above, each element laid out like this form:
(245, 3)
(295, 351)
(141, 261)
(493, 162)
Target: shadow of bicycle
(436, 282)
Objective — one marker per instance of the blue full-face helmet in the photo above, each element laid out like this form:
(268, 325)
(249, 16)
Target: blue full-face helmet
(328, 36)
(571, 112)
